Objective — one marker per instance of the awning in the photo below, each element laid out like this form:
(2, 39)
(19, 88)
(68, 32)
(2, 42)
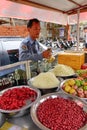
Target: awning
(55, 11)
(20, 11)
(82, 18)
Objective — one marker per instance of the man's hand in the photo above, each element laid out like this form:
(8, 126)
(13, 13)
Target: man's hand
(47, 54)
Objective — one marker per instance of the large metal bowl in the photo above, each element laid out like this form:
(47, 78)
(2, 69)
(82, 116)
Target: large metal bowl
(68, 76)
(65, 76)
(34, 107)
(25, 109)
(61, 87)
(45, 90)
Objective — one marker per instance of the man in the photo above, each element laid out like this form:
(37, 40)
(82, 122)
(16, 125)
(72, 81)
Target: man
(29, 48)
(85, 30)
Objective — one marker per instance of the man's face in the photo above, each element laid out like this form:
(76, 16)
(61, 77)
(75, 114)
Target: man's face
(85, 30)
(34, 31)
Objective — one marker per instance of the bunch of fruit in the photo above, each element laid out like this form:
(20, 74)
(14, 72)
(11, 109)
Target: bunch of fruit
(61, 114)
(82, 73)
(16, 98)
(76, 86)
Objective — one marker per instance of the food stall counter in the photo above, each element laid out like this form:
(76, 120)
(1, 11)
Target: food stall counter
(24, 122)
(19, 123)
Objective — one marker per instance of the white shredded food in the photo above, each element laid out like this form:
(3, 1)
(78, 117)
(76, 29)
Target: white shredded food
(63, 70)
(45, 80)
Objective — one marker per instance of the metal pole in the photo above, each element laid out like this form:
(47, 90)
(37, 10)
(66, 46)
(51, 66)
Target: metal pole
(78, 14)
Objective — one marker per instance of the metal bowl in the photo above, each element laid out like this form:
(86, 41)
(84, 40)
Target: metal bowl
(61, 87)
(34, 107)
(25, 109)
(65, 76)
(68, 76)
(45, 90)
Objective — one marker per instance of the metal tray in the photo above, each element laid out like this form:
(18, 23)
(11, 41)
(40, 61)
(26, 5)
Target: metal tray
(53, 95)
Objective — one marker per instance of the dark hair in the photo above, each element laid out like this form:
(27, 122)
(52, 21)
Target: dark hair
(30, 22)
(85, 27)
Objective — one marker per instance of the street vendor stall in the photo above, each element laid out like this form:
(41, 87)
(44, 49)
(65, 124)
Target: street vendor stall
(57, 12)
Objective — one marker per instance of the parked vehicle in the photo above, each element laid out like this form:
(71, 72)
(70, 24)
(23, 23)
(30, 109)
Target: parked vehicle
(10, 48)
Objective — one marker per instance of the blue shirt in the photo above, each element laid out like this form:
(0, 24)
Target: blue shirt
(29, 50)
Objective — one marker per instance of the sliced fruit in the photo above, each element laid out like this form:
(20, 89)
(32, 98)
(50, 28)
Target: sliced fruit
(67, 88)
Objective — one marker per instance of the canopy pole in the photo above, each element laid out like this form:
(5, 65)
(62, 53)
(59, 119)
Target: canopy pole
(78, 14)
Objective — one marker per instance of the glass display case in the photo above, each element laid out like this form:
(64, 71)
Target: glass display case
(14, 74)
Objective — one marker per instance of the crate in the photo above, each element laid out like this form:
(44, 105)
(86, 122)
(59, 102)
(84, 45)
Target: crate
(74, 60)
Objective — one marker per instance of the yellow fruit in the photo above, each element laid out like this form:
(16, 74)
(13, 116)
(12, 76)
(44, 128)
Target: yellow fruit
(66, 83)
(67, 88)
(71, 82)
(51, 59)
(72, 91)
